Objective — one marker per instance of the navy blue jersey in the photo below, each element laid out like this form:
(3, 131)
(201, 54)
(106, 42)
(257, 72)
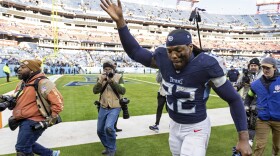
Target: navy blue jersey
(188, 90)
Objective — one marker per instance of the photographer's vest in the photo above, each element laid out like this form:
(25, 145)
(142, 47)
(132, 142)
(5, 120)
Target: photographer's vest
(42, 86)
(268, 104)
(109, 98)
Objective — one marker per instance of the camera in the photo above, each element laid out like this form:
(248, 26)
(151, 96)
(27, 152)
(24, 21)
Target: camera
(123, 103)
(13, 123)
(46, 123)
(97, 104)
(252, 114)
(7, 102)
(109, 75)
(247, 76)
(235, 153)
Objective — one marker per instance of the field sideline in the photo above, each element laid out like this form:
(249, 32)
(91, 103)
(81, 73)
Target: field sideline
(79, 107)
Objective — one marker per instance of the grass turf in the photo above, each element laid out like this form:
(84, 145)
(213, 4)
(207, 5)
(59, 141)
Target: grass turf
(142, 91)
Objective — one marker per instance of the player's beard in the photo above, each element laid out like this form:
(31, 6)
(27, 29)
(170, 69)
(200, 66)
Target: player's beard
(179, 64)
(182, 61)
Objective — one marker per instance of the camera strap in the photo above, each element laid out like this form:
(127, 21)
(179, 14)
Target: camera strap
(103, 89)
(114, 89)
(36, 86)
(20, 90)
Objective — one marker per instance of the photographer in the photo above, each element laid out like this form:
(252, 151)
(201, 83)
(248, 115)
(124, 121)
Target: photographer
(26, 113)
(248, 76)
(110, 85)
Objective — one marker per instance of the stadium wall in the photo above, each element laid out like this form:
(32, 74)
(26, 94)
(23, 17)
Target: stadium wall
(92, 70)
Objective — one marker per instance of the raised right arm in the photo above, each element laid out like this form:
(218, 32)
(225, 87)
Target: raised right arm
(130, 45)
(133, 49)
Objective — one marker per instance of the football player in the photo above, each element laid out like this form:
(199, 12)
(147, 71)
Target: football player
(187, 76)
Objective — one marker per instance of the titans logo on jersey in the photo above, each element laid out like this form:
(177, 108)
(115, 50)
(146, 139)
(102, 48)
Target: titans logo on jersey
(188, 90)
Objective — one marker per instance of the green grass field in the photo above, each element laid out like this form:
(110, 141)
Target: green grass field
(142, 91)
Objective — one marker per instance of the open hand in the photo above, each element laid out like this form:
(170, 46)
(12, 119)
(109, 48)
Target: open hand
(114, 11)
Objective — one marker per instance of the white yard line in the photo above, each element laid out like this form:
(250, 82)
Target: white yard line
(83, 132)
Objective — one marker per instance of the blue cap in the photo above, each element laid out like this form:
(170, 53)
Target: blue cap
(269, 62)
(178, 37)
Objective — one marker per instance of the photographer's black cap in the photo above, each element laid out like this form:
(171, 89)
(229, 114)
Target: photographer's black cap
(255, 61)
(108, 64)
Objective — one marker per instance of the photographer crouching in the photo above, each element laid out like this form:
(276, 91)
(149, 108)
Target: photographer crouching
(110, 86)
(27, 115)
(243, 83)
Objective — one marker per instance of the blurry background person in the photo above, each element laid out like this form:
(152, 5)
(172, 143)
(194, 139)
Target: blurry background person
(267, 91)
(110, 85)
(7, 71)
(233, 75)
(161, 100)
(16, 70)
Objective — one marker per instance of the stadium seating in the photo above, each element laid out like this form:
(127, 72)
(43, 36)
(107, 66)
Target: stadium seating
(86, 33)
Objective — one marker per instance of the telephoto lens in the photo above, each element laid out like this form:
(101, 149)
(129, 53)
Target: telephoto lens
(123, 103)
(4, 105)
(125, 113)
(40, 125)
(7, 101)
(97, 104)
(111, 75)
(47, 123)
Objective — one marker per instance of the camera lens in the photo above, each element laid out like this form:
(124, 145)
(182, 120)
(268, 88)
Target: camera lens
(3, 106)
(110, 75)
(40, 125)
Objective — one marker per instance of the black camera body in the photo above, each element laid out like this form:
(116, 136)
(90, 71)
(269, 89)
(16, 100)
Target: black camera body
(97, 104)
(234, 152)
(46, 123)
(246, 79)
(246, 76)
(252, 115)
(110, 75)
(123, 103)
(7, 102)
